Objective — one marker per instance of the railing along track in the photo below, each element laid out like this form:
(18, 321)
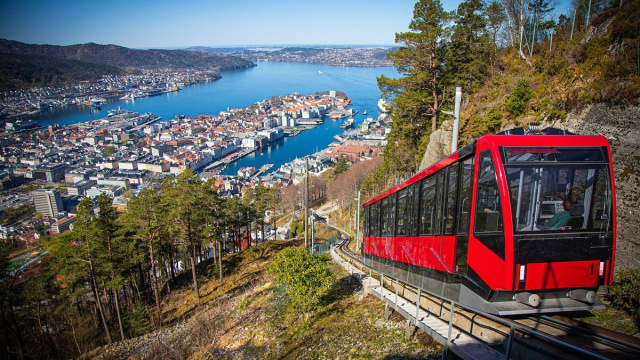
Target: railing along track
(519, 338)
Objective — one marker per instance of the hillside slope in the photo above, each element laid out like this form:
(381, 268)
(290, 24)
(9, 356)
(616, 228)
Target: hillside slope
(123, 57)
(22, 71)
(245, 317)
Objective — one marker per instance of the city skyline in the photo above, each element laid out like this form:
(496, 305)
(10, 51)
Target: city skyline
(171, 24)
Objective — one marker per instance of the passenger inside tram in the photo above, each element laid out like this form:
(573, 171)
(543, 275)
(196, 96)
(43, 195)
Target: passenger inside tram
(559, 219)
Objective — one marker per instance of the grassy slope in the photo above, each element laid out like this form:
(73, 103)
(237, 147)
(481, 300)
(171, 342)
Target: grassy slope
(245, 317)
(600, 66)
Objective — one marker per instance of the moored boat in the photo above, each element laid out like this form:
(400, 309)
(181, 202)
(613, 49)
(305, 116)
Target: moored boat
(347, 124)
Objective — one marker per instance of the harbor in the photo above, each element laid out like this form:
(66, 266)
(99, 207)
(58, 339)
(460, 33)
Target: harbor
(215, 97)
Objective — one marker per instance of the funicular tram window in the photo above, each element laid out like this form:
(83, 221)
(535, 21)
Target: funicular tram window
(415, 209)
(388, 212)
(440, 194)
(464, 209)
(384, 208)
(374, 217)
(428, 210)
(410, 214)
(367, 221)
(560, 196)
(488, 207)
(450, 203)
(401, 222)
(391, 215)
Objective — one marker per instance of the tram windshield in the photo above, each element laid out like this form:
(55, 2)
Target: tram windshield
(558, 190)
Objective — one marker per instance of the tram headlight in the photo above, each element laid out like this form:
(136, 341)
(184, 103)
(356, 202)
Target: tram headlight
(601, 270)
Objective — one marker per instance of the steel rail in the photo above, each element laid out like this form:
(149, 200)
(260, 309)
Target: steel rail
(512, 325)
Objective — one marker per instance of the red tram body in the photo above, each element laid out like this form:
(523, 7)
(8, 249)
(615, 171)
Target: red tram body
(510, 224)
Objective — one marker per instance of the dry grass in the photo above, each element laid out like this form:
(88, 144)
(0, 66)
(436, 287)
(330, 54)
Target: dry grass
(245, 317)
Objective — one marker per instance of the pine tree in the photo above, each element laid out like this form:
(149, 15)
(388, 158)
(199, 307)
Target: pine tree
(416, 96)
(105, 229)
(77, 254)
(469, 57)
(145, 218)
(341, 165)
(194, 212)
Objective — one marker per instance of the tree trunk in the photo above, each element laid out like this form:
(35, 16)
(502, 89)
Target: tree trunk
(140, 278)
(117, 304)
(15, 327)
(171, 262)
(167, 279)
(99, 302)
(193, 270)
(155, 281)
(220, 259)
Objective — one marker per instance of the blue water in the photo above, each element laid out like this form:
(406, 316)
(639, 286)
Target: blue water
(241, 88)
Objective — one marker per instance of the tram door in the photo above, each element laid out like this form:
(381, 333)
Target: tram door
(465, 180)
(487, 255)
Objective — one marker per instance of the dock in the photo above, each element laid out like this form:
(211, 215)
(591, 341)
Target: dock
(262, 170)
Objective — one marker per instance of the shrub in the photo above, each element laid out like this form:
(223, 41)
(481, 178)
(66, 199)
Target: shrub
(137, 322)
(517, 102)
(625, 293)
(493, 120)
(303, 277)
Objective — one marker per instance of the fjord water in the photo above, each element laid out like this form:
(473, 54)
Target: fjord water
(241, 88)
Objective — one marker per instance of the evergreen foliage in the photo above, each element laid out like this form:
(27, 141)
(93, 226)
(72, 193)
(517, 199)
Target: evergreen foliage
(625, 293)
(494, 120)
(302, 276)
(470, 48)
(517, 102)
(341, 165)
(415, 97)
(138, 322)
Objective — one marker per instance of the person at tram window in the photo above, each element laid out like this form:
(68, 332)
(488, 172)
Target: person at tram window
(560, 219)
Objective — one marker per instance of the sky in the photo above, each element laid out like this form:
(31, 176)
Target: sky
(219, 23)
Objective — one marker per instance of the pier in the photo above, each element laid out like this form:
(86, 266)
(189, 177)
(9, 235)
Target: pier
(262, 170)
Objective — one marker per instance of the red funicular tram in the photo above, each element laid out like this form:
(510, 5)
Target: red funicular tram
(510, 224)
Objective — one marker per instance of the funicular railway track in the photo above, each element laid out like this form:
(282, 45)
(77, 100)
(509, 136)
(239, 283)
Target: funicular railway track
(523, 337)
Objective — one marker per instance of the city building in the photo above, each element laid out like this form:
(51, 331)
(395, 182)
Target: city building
(52, 173)
(62, 225)
(47, 202)
(80, 187)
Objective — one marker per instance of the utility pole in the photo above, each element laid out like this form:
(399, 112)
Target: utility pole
(358, 223)
(456, 119)
(306, 203)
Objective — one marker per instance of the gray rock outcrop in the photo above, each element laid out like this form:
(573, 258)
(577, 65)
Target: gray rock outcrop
(621, 125)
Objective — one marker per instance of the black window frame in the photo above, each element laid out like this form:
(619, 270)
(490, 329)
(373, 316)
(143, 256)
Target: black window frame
(424, 200)
(402, 212)
(451, 200)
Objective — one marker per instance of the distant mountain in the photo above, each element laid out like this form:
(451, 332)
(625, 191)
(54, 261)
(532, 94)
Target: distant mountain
(333, 55)
(19, 71)
(123, 57)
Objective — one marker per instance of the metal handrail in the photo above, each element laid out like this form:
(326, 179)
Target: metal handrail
(512, 326)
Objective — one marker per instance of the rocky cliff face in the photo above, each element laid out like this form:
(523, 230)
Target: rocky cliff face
(439, 146)
(621, 125)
